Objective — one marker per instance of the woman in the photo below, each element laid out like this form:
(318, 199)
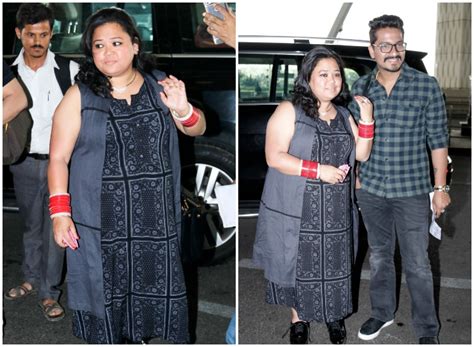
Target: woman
(307, 213)
(125, 279)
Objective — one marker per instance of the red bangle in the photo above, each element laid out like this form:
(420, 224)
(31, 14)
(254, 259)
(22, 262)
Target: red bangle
(310, 169)
(366, 131)
(193, 119)
(60, 205)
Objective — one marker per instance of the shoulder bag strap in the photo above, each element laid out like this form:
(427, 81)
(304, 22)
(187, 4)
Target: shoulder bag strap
(63, 78)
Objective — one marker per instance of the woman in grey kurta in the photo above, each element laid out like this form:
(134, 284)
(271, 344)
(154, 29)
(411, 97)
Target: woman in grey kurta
(307, 218)
(125, 279)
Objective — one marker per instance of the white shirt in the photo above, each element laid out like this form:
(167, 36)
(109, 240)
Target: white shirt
(46, 95)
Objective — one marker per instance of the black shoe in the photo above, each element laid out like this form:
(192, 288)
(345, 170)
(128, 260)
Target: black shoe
(337, 332)
(371, 328)
(299, 333)
(429, 340)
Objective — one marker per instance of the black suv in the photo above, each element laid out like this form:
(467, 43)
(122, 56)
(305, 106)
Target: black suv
(176, 35)
(267, 70)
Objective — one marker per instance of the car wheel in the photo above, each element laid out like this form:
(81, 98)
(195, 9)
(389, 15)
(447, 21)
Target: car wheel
(214, 165)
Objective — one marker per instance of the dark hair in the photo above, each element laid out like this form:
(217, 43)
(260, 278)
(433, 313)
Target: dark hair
(33, 13)
(88, 73)
(303, 96)
(385, 21)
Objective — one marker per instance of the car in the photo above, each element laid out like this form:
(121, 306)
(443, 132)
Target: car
(268, 67)
(175, 34)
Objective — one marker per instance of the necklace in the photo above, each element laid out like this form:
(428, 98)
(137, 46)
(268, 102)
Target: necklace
(321, 113)
(124, 88)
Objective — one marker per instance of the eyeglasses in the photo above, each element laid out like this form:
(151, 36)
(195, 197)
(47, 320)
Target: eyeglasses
(387, 47)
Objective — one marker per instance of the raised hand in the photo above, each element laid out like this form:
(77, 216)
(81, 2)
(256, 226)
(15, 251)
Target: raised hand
(366, 108)
(174, 95)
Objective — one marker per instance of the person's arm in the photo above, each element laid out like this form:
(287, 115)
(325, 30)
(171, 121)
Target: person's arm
(437, 130)
(280, 131)
(66, 126)
(441, 200)
(14, 100)
(222, 28)
(188, 119)
(363, 144)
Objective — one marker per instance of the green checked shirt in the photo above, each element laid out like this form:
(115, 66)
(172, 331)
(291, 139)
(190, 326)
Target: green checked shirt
(407, 122)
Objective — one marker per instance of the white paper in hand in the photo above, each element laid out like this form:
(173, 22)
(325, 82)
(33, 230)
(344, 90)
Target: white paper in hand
(435, 229)
(226, 199)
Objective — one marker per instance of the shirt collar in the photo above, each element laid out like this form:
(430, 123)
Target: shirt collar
(20, 59)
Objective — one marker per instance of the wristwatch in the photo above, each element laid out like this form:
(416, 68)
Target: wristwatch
(444, 188)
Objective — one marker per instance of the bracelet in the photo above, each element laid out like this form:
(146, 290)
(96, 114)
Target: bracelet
(59, 205)
(366, 131)
(365, 122)
(309, 169)
(190, 119)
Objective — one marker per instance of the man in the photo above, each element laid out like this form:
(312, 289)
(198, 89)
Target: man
(14, 97)
(38, 67)
(409, 114)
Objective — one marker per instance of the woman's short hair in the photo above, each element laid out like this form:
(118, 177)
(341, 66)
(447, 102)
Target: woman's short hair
(303, 95)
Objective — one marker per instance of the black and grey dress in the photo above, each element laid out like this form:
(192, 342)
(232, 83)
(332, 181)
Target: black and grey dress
(143, 283)
(322, 291)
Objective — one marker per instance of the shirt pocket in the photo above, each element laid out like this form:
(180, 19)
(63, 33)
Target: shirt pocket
(408, 113)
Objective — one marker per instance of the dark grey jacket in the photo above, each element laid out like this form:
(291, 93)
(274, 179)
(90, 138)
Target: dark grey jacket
(276, 243)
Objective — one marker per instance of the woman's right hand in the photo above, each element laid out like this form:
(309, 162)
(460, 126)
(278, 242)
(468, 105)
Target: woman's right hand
(331, 174)
(65, 233)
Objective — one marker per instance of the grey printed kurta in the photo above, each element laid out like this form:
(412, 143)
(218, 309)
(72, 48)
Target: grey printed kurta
(126, 280)
(321, 288)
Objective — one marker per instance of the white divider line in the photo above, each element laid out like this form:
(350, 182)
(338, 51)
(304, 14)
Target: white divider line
(215, 309)
(446, 282)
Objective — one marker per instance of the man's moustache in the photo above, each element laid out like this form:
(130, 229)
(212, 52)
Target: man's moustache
(396, 56)
(37, 46)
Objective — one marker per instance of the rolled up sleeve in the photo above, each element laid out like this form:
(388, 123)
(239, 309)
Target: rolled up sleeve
(436, 119)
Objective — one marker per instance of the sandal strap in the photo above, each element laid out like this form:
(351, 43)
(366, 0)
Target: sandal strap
(52, 306)
(18, 291)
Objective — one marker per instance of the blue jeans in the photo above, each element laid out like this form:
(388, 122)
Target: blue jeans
(43, 259)
(409, 220)
(230, 334)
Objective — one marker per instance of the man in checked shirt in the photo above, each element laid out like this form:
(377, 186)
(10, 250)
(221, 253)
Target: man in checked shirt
(409, 114)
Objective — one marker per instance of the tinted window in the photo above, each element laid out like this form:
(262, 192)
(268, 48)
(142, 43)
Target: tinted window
(255, 75)
(71, 18)
(286, 75)
(161, 26)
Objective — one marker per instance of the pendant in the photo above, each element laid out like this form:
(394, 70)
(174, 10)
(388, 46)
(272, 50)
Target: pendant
(119, 90)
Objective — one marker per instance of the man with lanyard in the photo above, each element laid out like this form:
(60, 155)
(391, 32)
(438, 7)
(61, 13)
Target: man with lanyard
(409, 114)
(43, 259)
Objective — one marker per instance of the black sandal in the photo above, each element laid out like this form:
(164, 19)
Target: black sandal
(337, 332)
(300, 333)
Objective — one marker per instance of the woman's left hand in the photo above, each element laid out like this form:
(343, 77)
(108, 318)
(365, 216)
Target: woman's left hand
(366, 108)
(174, 95)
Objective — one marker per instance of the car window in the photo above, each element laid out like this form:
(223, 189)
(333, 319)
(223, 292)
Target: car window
(198, 37)
(70, 19)
(255, 74)
(183, 24)
(286, 74)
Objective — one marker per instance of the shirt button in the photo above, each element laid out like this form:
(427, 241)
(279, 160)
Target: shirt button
(386, 139)
(386, 159)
